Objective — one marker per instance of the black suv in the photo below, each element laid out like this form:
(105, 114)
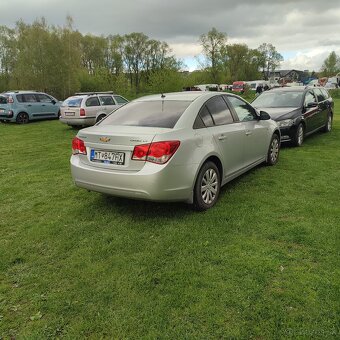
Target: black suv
(299, 111)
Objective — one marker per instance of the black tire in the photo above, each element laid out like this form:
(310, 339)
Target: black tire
(59, 114)
(273, 150)
(22, 118)
(328, 126)
(210, 178)
(299, 135)
(99, 118)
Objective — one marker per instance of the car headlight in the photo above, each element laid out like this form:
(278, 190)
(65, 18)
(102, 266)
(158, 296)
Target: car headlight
(285, 123)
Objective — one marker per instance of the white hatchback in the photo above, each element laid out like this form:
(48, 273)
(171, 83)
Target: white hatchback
(88, 108)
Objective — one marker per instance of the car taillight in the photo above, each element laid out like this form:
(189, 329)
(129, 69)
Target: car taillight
(78, 146)
(10, 100)
(82, 112)
(157, 152)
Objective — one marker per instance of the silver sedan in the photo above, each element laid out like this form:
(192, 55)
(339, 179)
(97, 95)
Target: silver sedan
(174, 147)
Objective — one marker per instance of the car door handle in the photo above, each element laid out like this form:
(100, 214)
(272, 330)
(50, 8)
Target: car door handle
(222, 137)
(248, 132)
(29, 104)
(43, 105)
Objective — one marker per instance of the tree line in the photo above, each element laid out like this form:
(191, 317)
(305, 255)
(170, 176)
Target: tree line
(61, 61)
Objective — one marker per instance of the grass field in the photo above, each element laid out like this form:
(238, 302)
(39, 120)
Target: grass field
(263, 263)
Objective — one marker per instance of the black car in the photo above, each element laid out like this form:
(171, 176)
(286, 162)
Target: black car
(299, 111)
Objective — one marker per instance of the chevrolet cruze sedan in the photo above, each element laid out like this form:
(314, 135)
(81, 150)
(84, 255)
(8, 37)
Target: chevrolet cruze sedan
(299, 111)
(174, 147)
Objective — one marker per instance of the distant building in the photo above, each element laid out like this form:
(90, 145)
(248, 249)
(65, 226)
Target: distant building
(287, 76)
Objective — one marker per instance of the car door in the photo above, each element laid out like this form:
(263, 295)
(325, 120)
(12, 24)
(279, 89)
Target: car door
(108, 104)
(311, 111)
(47, 106)
(92, 106)
(227, 135)
(255, 131)
(31, 105)
(323, 108)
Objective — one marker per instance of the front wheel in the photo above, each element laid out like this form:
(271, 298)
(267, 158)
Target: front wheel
(299, 135)
(22, 118)
(207, 187)
(274, 150)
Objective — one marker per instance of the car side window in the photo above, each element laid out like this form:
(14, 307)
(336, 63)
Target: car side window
(206, 116)
(243, 110)
(310, 98)
(120, 100)
(3, 100)
(319, 95)
(43, 98)
(219, 111)
(30, 98)
(20, 98)
(106, 100)
(92, 101)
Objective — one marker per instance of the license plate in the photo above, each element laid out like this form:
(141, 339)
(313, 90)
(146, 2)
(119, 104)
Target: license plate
(108, 157)
(2, 110)
(69, 113)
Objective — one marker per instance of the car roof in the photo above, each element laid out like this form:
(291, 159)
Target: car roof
(182, 96)
(22, 91)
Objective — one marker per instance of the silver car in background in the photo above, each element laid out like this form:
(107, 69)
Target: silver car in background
(88, 108)
(174, 147)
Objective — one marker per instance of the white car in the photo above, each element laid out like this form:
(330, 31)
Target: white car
(88, 108)
(174, 147)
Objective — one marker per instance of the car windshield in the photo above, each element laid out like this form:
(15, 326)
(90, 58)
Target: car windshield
(279, 99)
(159, 113)
(73, 102)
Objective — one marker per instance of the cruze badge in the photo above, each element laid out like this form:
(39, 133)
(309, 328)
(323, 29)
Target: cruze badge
(104, 139)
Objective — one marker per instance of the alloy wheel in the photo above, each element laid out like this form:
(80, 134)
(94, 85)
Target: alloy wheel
(209, 186)
(274, 150)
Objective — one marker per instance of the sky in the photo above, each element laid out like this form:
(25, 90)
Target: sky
(305, 32)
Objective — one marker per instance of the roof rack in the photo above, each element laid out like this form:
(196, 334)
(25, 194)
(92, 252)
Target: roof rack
(93, 93)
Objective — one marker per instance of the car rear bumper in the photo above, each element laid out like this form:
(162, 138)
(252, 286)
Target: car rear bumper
(86, 121)
(153, 182)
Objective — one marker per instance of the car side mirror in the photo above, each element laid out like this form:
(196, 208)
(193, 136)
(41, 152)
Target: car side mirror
(312, 104)
(264, 115)
(53, 101)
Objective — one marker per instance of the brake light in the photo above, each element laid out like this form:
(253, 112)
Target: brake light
(157, 152)
(10, 100)
(82, 112)
(78, 146)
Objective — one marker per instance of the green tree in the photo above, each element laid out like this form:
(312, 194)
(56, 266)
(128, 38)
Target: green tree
(213, 43)
(269, 59)
(331, 65)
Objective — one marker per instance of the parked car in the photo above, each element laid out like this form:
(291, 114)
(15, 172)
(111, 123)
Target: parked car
(24, 106)
(299, 111)
(174, 147)
(88, 108)
(239, 86)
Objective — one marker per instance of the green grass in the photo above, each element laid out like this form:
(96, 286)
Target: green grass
(263, 263)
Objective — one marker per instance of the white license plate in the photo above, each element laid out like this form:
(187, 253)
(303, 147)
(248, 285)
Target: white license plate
(108, 157)
(69, 113)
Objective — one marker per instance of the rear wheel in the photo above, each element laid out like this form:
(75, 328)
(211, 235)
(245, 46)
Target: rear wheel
(22, 118)
(299, 135)
(328, 126)
(99, 118)
(207, 187)
(274, 150)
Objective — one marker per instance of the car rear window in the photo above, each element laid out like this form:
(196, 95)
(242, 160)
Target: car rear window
(158, 113)
(72, 102)
(3, 100)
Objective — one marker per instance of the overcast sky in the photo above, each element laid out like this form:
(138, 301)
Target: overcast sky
(303, 31)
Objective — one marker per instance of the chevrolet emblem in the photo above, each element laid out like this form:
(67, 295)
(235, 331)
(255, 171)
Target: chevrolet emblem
(104, 139)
